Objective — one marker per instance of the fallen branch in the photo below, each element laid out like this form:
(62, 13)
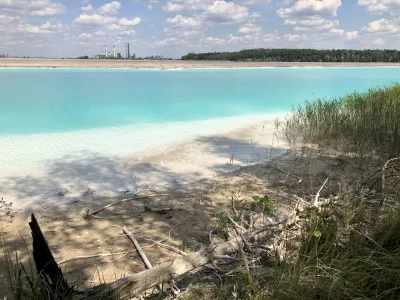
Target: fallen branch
(91, 256)
(270, 225)
(236, 224)
(131, 285)
(300, 180)
(139, 249)
(319, 191)
(385, 166)
(157, 210)
(119, 201)
(159, 243)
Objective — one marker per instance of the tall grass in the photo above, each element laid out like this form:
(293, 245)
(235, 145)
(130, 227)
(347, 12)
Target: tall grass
(352, 261)
(349, 249)
(362, 123)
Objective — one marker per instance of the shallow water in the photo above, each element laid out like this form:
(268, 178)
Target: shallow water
(59, 100)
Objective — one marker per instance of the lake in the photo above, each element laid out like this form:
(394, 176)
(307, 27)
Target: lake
(63, 100)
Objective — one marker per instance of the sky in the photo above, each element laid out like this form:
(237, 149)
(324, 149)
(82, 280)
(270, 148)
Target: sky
(172, 28)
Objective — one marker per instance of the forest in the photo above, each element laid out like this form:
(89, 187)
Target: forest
(300, 55)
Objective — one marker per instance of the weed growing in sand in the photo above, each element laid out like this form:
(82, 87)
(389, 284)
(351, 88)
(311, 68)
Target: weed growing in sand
(264, 204)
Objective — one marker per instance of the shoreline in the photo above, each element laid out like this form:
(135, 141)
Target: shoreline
(50, 163)
(15, 63)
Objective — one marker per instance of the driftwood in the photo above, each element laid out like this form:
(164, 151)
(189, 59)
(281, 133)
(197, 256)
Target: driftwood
(157, 210)
(132, 285)
(166, 272)
(139, 249)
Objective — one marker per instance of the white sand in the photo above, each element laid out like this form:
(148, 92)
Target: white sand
(166, 64)
(34, 168)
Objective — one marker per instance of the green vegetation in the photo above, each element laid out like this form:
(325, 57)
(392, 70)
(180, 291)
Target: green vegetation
(300, 55)
(350, 248)
(362, 123)
(264, 204)
(342, 257)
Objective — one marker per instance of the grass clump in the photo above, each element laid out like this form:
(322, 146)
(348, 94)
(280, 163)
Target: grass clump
(343, 261)
(362, 123)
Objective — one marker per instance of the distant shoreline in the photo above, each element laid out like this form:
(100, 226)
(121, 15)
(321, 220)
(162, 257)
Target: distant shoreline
(168, 64)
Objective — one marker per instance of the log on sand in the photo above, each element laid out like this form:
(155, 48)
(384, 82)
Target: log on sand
(132, 285)
(129, 286)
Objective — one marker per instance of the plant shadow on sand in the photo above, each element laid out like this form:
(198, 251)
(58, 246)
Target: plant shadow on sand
(195, 206)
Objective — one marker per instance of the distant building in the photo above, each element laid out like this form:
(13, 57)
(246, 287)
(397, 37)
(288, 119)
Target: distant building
(99, 56)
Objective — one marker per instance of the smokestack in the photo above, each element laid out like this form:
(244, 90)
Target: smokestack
(129, 54)
(106, 52)
(115, 52)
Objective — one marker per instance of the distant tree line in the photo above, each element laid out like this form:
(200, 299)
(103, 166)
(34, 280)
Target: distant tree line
(3, 55)
(300, 55)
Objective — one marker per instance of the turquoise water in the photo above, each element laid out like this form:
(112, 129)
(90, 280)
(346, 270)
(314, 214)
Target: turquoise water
(59, 100)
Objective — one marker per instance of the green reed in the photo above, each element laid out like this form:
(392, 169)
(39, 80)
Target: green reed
(362, 123)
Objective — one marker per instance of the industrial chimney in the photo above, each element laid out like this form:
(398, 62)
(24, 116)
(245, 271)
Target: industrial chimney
(106, 51)
(115, 52)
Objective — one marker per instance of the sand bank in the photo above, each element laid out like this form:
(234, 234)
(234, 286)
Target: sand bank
(167, 64)
(111, 161)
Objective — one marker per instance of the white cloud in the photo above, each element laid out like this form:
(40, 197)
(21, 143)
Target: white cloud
(337, 31)
(295, 37)
(225, 12)
(213, 41)
(249, 2)
(255, 15)
(180, 21)
(383, 26)
(150, 7)
(316, 23)
(126, 22)
(378, 41)
(352, 35)
(173, 41)
(53, 26)
(173, 7)
(249, 28)
(380, 6)
(188, 34)
(53, 9)
(109, 8)
(4, 19)
(304, 8)
(93, 20)
(299, 28)
(88, 9)
(85, 36)
(179, 5)
(12, 4)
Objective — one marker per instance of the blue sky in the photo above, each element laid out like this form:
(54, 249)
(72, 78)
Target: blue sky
(69, 28)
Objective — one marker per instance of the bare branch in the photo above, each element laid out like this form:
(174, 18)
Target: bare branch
(319, 191)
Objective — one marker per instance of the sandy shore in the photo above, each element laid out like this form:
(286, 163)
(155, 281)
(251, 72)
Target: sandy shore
(113, 161)
(167, 64)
